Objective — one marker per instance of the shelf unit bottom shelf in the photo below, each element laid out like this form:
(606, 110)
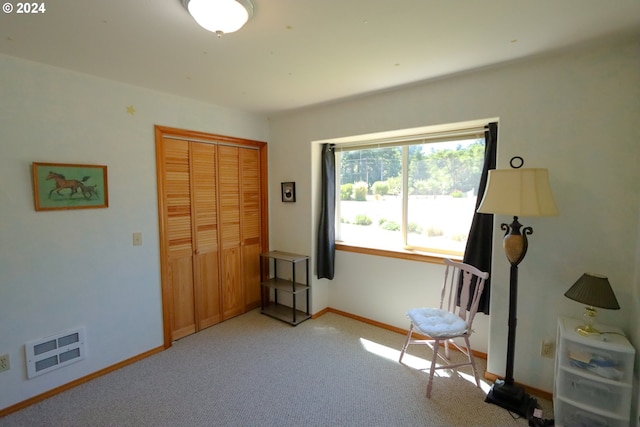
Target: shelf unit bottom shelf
(284, 313)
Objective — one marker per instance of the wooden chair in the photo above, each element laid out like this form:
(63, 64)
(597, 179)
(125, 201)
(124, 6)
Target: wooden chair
(453, 319)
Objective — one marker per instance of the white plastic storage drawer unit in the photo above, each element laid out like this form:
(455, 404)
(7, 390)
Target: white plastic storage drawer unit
(593, 377)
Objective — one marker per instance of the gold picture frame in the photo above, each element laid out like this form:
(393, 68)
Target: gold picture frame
(64, 186)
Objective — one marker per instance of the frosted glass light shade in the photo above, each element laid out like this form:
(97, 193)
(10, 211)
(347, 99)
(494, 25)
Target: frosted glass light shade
(518, 192)
(220, 16)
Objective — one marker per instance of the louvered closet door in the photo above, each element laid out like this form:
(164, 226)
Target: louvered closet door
(212, 212)
(251, 232)
(178, 237)
(231, 262)
(205, 232)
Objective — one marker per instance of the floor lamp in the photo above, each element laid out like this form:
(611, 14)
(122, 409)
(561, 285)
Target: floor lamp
(517, 192)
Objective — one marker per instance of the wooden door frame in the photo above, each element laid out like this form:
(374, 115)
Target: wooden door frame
(196, 136)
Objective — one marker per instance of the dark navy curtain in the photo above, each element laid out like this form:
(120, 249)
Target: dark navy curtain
(480, 242)
(326, 229)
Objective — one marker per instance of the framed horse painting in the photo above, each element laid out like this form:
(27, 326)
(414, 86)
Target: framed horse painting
(69, 186)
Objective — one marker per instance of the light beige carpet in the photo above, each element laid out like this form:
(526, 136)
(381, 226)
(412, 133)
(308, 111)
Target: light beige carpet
(253, 370)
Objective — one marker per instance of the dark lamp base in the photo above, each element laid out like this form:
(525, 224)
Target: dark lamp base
(512, 398)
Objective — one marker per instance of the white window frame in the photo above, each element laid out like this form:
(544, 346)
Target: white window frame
(441, 133)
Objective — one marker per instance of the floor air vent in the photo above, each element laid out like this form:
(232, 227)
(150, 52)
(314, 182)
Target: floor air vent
(55, 351)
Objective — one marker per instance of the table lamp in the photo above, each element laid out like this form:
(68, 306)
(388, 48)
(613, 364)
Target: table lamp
(593, 290)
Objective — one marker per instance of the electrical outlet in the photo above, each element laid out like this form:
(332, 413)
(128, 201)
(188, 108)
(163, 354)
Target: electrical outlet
(4, 362)
(546, 349)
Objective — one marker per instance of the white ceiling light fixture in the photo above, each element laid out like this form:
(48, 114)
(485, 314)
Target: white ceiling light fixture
(220, 16)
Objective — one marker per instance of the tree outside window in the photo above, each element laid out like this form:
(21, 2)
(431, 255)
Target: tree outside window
(431, 210)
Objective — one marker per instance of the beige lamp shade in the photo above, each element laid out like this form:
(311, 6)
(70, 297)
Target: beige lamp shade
(518, 192)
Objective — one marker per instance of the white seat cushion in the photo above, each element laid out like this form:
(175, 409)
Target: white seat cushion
(436, 322)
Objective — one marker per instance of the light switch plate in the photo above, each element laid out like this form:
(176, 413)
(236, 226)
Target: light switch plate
(137, 239)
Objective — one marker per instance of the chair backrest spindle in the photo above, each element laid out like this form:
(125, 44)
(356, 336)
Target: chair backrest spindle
(462, 288)
(443, 292)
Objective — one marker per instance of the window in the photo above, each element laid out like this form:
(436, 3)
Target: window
(413, 193)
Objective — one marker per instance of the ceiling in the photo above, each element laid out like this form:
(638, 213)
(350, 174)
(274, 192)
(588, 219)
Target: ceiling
(296, 53)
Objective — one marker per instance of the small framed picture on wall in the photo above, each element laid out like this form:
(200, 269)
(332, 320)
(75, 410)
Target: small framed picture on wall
(69, 186)
(288, 191)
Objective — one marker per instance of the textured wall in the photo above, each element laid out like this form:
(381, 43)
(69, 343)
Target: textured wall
(63, 269)
(574, 112)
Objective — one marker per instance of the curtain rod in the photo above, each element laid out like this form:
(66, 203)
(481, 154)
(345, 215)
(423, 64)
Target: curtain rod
(445, 135)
